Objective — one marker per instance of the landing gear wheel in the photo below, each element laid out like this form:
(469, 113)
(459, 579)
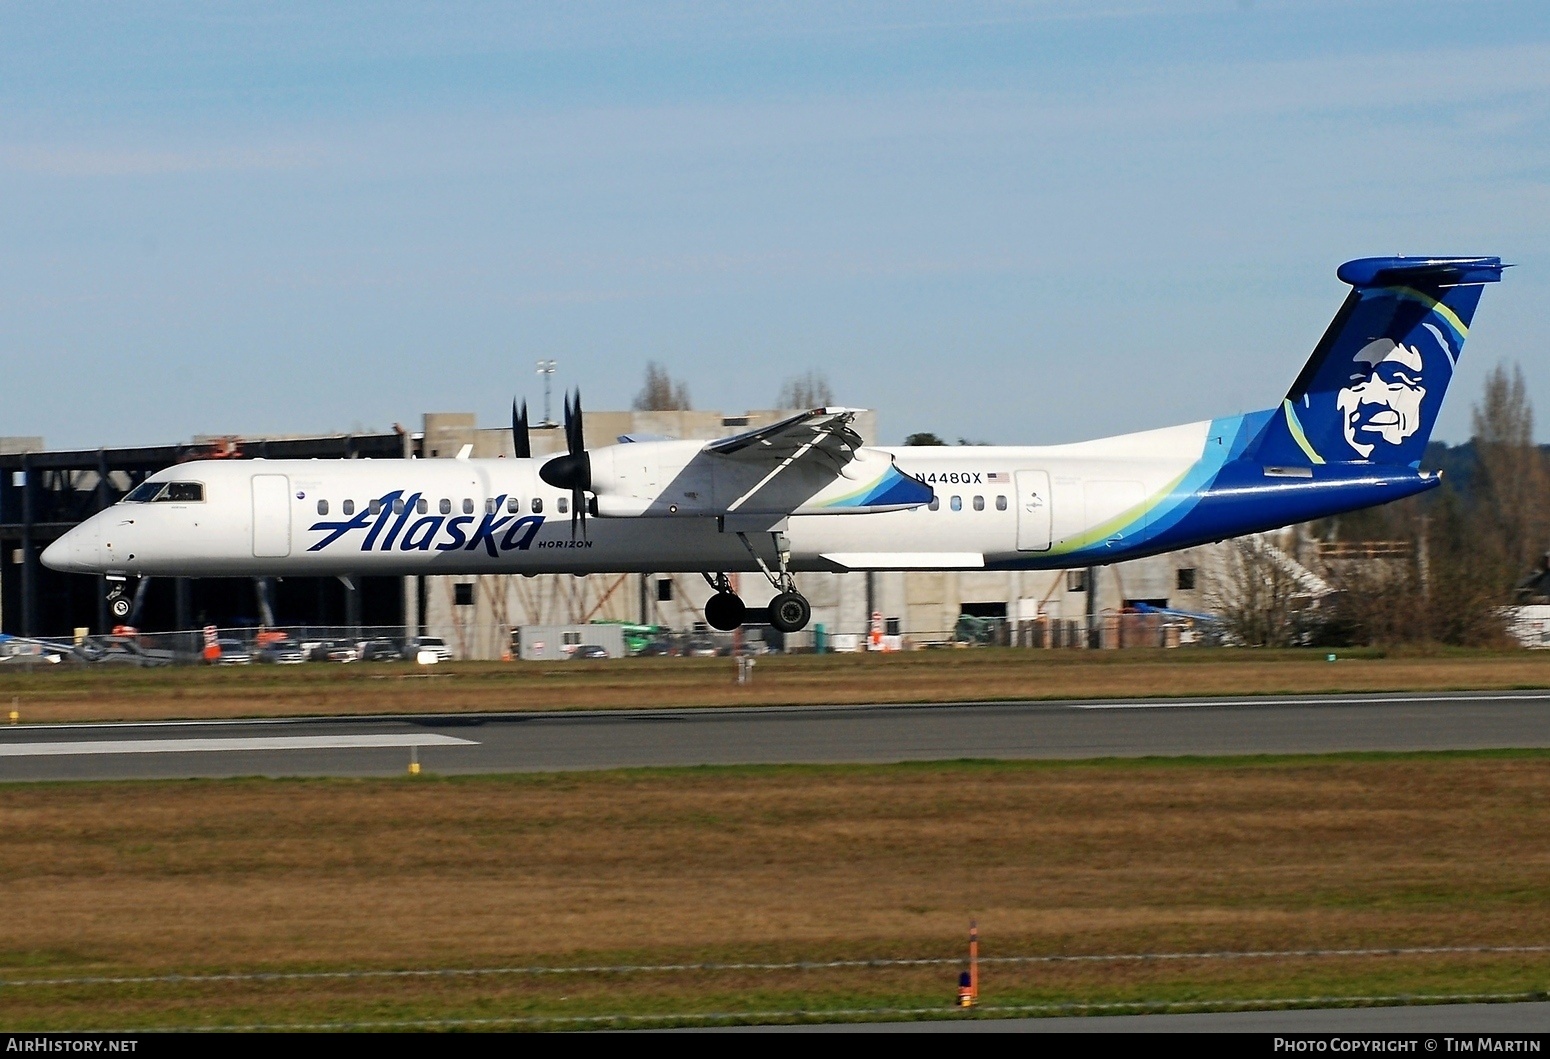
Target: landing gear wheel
(725, 611)
(790, 611)
(119, 607)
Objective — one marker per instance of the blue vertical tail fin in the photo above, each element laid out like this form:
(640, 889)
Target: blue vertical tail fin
(1371, 391)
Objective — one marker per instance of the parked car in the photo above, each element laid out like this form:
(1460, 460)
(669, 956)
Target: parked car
(332, 651)
(589, 650)
(658, 649)
(434, 644)
(701, 648)
(233, 653)
(282, 653)
(380, 651)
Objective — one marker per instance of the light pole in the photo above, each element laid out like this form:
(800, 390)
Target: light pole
(546, 369)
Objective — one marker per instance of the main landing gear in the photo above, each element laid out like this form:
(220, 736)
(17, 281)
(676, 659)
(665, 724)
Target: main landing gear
(789, 610)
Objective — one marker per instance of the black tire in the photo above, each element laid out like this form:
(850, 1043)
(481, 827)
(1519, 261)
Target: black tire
(119, 607)
(790, 611)
(724, 611)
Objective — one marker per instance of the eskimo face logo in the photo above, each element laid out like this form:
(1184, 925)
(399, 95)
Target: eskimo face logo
(1382, 402)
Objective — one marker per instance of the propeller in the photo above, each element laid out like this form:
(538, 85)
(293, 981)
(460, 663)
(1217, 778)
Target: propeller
(522, 447)
(572, 471)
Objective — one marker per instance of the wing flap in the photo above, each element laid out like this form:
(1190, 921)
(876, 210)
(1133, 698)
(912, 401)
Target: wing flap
(827, 429)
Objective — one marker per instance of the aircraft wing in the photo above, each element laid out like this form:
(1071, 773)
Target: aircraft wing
(826, 429)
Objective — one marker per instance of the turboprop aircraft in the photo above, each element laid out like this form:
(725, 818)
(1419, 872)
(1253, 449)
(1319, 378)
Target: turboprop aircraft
(805, 493)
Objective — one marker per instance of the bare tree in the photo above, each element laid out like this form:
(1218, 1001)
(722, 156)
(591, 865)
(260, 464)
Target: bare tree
(1260, 601)
(810, 390)
(660, 392)
(1510, 479)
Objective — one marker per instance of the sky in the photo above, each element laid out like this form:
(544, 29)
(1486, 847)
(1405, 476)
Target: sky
(1013, 222)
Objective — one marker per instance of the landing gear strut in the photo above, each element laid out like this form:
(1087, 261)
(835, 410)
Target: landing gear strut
(789, 610)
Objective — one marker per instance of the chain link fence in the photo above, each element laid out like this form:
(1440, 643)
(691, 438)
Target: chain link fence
(337, 644)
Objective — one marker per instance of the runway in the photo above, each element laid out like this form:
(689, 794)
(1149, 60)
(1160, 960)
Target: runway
(485, 743)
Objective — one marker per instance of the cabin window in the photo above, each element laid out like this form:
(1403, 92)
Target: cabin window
(936, 504)
(398, 507)
(422, 505)
(1000, 503)
(446, 506)
(489, 506)
(468, 506)
(322, 507)
(979, 503)
(513, 505)
(563, 505)
(538, 506)
(375, 507)
(144, 493)
(956, 503)
(349, 507)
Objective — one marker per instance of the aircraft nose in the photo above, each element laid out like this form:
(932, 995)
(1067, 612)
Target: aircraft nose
(76, 552)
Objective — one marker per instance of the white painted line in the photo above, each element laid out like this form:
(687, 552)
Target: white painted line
(1365, 700)
(1375, 698)
(188, 746)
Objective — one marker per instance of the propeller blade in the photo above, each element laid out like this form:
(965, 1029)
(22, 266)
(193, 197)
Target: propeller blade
(522, 448)
(574, 435)
(573, 470)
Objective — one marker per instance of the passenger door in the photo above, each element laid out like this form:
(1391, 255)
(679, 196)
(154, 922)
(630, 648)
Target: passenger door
(271, 516)
(1033, 511)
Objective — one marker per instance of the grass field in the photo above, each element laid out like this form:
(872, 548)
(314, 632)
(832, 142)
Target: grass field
(770, 864)
(71, 694)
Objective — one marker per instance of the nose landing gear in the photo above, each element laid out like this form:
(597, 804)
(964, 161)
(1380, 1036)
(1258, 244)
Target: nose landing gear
(123, 604)
(118, 599)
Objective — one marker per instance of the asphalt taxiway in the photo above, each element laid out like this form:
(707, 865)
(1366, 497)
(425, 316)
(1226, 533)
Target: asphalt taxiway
(558, 741)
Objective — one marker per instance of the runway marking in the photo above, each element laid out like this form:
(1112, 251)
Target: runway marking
(195, 746)
(1364, 700)
(1375, 698)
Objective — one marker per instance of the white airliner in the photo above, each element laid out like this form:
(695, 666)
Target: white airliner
(805, 494)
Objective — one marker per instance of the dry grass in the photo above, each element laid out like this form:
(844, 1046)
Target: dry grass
(60, 694)
(795, 862)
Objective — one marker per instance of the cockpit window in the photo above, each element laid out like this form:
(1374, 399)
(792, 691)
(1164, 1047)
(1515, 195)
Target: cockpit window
(167, 493)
